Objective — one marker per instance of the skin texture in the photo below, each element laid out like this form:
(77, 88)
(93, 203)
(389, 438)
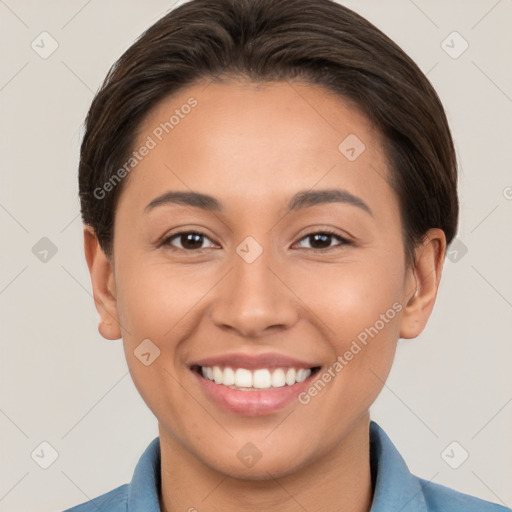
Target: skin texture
(253, 147)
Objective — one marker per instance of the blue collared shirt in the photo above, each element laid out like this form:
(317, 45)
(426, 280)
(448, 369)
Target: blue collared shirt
(396, 489)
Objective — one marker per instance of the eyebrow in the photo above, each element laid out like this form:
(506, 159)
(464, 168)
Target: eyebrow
(302, 199)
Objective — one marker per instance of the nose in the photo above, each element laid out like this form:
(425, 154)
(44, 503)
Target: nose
(255, 298)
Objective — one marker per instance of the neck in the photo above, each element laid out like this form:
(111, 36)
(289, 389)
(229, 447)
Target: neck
(342, 476)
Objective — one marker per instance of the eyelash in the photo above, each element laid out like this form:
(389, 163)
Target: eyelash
(167, 241)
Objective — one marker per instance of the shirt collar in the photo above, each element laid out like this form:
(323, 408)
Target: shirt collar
(395, 488)
(144, 489)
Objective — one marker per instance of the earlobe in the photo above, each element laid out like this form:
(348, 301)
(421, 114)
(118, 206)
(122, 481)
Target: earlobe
(103, 285)
(422, 283)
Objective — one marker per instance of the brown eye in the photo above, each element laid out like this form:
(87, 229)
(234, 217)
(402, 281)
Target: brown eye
(187, 240)
(322, 240)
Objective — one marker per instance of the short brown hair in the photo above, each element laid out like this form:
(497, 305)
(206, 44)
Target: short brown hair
(320, 42)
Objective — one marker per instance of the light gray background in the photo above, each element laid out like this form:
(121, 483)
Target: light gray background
(64, 384)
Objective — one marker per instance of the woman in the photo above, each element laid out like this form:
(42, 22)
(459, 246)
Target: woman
(268, 189)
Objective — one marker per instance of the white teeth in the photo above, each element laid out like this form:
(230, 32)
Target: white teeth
(207, 372)
(290, 377)
(278, 378)
(261, 379)
(243, 378)
(229, 377)
(303, 374)
(258, 379)
(218, 375)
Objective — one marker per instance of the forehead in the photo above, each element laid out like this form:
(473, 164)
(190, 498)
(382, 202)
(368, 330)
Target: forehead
(246, 140)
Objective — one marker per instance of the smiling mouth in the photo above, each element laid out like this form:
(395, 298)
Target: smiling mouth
(262, 379)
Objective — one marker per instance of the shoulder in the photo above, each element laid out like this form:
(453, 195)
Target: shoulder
(444, 499)
(396, 488)
(140, 494)
(115, 500)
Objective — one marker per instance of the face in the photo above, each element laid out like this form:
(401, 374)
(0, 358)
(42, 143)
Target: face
(270, 309)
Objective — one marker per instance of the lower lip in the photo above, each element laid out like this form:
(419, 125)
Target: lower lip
(252, 403)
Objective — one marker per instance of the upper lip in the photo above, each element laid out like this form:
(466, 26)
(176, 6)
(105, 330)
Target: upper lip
(269, 360)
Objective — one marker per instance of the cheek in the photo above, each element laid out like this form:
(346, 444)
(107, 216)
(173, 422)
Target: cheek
(163, 304)
(360, 310)
(155, 300)
(155, 309)
(349, 298)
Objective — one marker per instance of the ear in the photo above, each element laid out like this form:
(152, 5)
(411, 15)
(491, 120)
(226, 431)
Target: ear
(103, 285)
(422, 283)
